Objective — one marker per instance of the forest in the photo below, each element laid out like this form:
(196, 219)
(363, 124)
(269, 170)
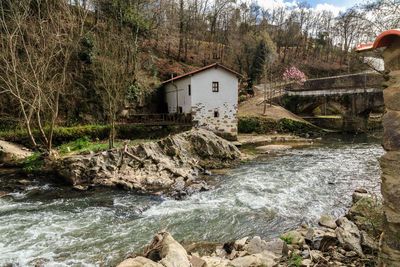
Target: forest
(67, 63)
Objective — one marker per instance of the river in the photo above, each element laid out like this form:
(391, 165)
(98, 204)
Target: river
(264, 197)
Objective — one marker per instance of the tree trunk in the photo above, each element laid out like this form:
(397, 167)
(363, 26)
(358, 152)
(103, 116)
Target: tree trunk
(53, 122)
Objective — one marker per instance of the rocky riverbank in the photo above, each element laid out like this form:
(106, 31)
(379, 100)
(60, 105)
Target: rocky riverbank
(172, 165)
(349, 241)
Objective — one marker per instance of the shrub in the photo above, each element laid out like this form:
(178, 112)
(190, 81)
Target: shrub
(33, 163)
(288, 240)
(252, 124)
(295, 260)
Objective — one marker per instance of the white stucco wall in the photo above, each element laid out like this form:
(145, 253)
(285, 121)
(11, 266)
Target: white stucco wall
(205, 101)
(184, 100)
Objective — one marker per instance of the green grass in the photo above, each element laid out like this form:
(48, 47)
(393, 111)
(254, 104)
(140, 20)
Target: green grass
(84, 144)
(288, 240)
(295, 260)
(64, 135)
(33, 163)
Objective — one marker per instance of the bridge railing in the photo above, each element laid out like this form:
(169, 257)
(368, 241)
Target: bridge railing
(351, 81)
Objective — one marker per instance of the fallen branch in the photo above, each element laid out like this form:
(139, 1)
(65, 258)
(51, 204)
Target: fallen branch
(125, 152)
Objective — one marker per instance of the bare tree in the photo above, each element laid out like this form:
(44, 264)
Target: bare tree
(37, 49)
(114, 78)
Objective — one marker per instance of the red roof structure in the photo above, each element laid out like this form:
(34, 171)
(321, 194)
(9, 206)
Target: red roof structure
(214, 65)
(383, 40)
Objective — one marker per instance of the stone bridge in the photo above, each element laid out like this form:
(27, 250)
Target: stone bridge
(352, 96)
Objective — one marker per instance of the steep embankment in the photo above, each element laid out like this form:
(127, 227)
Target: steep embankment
(275, 119)
(254, 107)
(171, 164)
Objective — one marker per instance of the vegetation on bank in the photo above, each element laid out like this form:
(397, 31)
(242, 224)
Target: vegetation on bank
(81, 62)
(262, 125)
(83, 136)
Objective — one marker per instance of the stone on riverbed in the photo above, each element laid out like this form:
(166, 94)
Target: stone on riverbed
(172, 254)
(349, 235)
(294, 237)
(139, 262)
(265, 258)
(327, 221)
(272, 148)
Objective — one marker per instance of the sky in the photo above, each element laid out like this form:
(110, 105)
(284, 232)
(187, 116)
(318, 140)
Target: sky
(335, 6)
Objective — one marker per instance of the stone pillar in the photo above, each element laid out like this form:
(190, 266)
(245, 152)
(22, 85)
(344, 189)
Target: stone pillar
(390, 162)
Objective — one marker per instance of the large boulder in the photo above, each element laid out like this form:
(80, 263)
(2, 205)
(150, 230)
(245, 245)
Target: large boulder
(10, 153)
(172, 253)
(255, 245)
(323, 241)
(349, 235)
(164, 251)
(277, 246)
(152, 166)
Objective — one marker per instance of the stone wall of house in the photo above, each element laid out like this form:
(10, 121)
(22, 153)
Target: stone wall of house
(390, 162)
(225, 124)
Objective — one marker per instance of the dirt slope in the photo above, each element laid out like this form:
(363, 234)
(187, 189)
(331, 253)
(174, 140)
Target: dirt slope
(255, 107)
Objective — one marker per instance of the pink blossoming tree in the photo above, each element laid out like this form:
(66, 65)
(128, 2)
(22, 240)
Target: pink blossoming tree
(293, 74)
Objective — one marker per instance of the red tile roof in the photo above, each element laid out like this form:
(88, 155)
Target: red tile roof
(364, 47)
(384, 39)
(216, 65)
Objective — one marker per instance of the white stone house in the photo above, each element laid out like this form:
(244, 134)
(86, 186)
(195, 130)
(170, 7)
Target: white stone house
(210, 94)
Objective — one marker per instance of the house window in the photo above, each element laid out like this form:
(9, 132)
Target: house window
(216, 114)
(189, 90)
(180, 110)
(215, 87)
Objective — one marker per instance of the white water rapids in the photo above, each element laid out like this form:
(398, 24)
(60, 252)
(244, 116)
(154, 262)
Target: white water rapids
(264, 197)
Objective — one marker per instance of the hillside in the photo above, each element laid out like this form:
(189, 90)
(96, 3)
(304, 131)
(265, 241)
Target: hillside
(254, 107)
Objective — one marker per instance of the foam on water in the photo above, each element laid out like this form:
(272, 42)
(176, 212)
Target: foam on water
(265, 197)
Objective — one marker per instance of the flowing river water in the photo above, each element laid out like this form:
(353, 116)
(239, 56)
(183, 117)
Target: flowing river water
(264, 197)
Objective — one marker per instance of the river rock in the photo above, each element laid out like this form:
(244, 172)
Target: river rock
(309, 236)
(10, 153)
(153, 166)
(295, 238)
(368, 244)
(216, 261)
(172, 253)
(367, 213)
(324, 240)
(239, 244)
(327, 221)
(306, 263)
(197, 262)
(349, 235)
(316, 255)
(163, 251)
(272, 148)
(139, 262)
(266, 258)
(277, 246)
(256, 245)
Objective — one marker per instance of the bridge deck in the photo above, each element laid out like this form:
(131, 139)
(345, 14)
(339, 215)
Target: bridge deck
(345, 84)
